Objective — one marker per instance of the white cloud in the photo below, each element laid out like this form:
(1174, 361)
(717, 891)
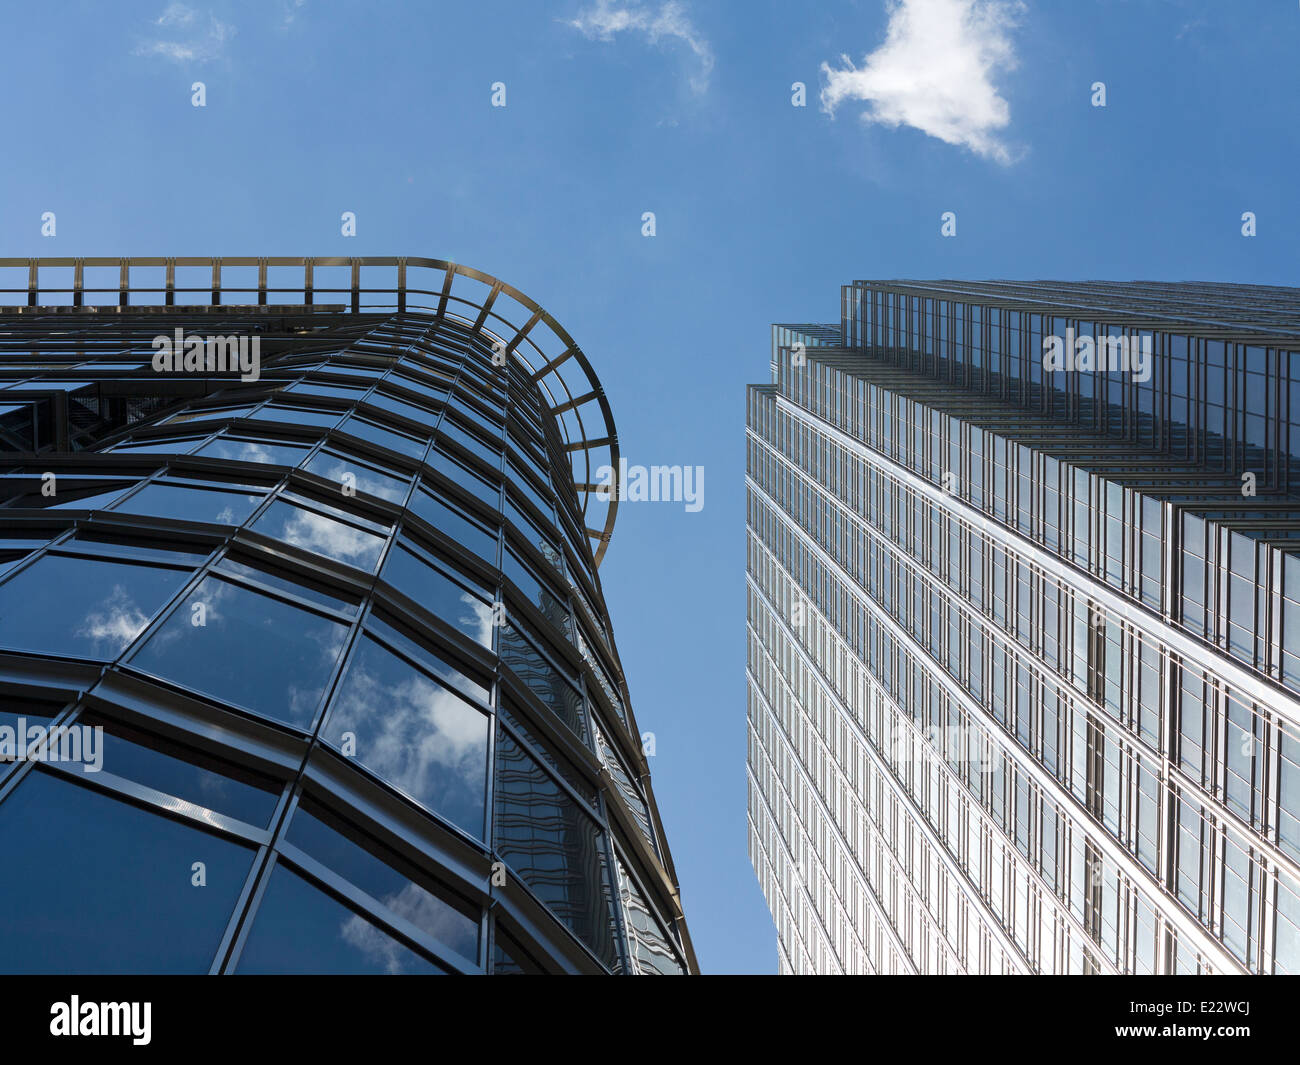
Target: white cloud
(290, 9)
(935, 72)
(176, 15)
(117, 624)
(189, 36)
(669, 23)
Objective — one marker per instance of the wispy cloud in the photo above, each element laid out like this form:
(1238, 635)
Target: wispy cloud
(290, 9)
(669, 23)
(935, 72)
(185, 35)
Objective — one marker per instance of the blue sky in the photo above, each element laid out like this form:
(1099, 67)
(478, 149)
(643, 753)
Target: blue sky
(762, 210)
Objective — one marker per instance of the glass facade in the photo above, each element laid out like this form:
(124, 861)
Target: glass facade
(338, 631)
(1024, 693)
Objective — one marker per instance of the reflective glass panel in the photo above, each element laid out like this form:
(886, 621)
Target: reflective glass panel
(366, 479)
(285, 583)
(251, 650)
(299, 416)
(184, 772)
(106, 887)
(320, 534)
(557, 849)
(414, 733)
(452, 523)
(385, 876)
(239, 450)
(299, 929)
(651, 952)
(439, 594)
(543, 679)
(376, 434)
(161, 500)
(86, 608)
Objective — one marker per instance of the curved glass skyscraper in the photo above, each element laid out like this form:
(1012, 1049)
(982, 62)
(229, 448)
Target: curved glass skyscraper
(304, 660)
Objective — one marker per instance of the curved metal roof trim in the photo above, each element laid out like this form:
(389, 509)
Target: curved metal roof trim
(540, 344)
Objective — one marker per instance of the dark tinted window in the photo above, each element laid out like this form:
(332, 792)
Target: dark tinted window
(301, 929)
(87, 608)
(185, 772)
(556, 848)
(257, 652)
(509, 959)
(106, 887)
(190, 504)
(386, 876)
(439, 594)
(455, 525)
(321, 534)
(414, 733)
(16, 718)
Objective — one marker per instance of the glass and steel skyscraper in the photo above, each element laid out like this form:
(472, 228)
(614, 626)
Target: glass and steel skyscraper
(1024, 630)
(304, 660)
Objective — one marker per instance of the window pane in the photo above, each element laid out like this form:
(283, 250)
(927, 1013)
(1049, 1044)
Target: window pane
(251, 650)
(142, 550)
(300, 929)
(471, 482)
(170, 446)
(114, 884)
(285, 583)
(553, 846)
(458, 528)
(538, 593)
(204, 413)
(509, 959)
(386, 877)
(470, 442)
(558, 763)
(407, 410)
(88, 608)
(16, 718)
(335, 468)
(439, 594)
(254, 451)
(453, 674)
(316, 388)
(298, 416)
(414, 733)
(543, 679)
(376, 434)
(185, 772)
(92, 496)
(322, 535)
(190, 504)
(651, 952)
